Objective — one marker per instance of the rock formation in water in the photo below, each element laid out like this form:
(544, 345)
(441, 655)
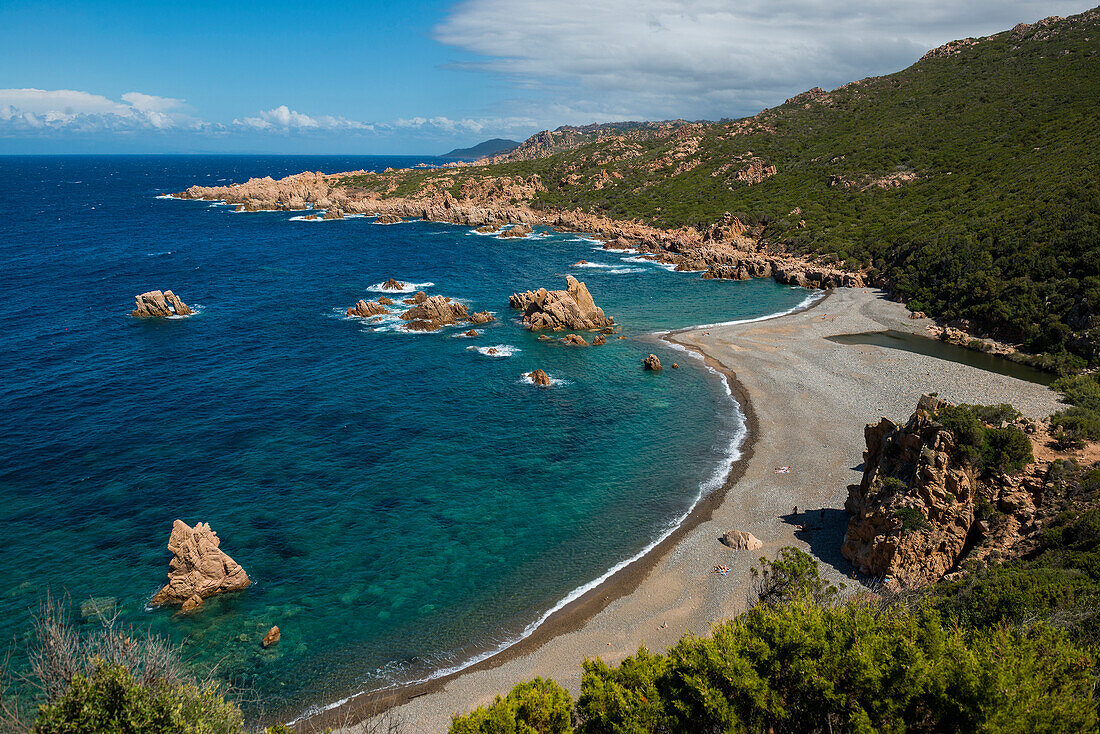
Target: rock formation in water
(388, 219)
(385, 300)
(481, 317)
(540, 378)
(434, 312)
(599, 341)
(518, 230)
(333, 212)
(273, 635)
(159, 305)
(741, 540)
(199, 568)
(488, 228)
(416, 298)
(572, 308)
(393, 285)
(574, 340)
(651, 363)
(364, 309)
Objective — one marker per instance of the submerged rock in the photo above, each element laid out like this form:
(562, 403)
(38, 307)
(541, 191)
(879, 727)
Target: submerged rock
(651, 363)
(273, 635)
(159, 305)
(199, 568)
(572, 308)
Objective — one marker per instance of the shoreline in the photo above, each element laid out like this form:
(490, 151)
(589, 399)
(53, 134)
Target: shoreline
(620, 580)
(805, 401)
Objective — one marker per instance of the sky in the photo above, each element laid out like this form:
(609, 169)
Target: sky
(421, 76)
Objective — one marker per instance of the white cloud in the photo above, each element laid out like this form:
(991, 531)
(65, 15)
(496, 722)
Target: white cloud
(623, 59)
(44, 110)
(284, 119)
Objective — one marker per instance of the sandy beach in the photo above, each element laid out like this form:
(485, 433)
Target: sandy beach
(807, 400)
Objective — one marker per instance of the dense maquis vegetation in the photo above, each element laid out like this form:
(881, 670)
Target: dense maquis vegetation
(1081, 421)
(995, 215)
(804, 663)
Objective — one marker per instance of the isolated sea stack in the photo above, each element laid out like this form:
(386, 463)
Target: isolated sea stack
(572, 308)
(159, 305)
(198, 569)
(652, 363)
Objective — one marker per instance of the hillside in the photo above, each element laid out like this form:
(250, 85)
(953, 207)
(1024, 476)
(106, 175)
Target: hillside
(496, 146)
(966, 183)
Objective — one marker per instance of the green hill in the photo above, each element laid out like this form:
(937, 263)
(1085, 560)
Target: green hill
(496, 146)
(967, 183)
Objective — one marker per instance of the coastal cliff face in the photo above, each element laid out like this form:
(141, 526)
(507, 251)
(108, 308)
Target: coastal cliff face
(922, 509)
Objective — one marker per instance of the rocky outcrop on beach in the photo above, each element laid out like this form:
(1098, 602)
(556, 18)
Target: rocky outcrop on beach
(539, 378)
(199, 568)
(572, 308)
(518, 230)
(916, 514)
(159, 305)
(364, 309)
(740, 540)
(652, 363)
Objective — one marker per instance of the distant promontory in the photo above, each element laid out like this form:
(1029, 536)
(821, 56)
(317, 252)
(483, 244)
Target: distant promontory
(496, 146)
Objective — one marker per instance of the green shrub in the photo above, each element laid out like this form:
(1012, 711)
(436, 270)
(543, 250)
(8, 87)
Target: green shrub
(988, 449)
(110, 701)
(912, 519)
(793, 576)
(624, 698)
(538, 706)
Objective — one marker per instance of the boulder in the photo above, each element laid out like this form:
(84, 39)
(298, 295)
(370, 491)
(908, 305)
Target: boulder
(572, 308)
(159, 305)
(434, 312)
(333, 213)
(741, 540)
(487, 228)
(540, 378)
(492, 351)
(651, 363)
(273, 635)
(675, 366)
(393, 285)
(388, 219)
(574, 340)
(599, 341)
(199, 568)
(385, 300)
(416, 298)
(471, 332)
(517, 230)
(364, 309)
(481, 317)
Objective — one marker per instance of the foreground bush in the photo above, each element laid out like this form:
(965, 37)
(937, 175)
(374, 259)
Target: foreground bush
(536, 707)
(799, 662)
(110, 700)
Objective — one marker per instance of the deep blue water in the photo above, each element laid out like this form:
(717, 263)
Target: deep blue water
(401, 502)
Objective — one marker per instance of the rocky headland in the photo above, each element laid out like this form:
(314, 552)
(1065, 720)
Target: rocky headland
(728, 248)
(199, 568)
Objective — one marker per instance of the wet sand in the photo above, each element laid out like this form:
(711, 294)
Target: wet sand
(806, 400)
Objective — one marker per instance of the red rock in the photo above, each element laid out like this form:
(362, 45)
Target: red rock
(273, 635)
(599, 341)
(364, 309)
(572, 308)
(574, 340)
(159, 305)
(199, 568)
(652, 363)
(393, 285)
(540, 378)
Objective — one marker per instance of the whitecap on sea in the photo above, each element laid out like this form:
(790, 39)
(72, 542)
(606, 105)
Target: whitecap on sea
(498, 350)
(408, 287)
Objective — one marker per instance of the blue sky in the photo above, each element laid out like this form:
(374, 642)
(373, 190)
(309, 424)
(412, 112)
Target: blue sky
(422, 77)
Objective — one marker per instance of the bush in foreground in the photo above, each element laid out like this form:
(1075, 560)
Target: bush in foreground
(538, 706)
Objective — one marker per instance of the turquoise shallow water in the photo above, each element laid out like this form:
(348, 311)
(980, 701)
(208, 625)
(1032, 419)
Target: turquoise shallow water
(402, 503)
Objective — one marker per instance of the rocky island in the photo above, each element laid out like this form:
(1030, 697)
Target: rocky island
(572, 308)
(199, 568)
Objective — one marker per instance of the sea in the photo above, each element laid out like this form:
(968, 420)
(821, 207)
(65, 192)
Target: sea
(404, 503)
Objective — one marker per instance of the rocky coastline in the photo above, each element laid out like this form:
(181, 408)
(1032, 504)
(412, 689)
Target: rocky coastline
(726, 249)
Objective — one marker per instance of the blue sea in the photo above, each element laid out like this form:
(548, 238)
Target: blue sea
(403, 502)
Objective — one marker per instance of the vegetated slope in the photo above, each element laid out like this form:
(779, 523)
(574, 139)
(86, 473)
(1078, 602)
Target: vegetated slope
(496, 146)
(570, 137)
(967, 183)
